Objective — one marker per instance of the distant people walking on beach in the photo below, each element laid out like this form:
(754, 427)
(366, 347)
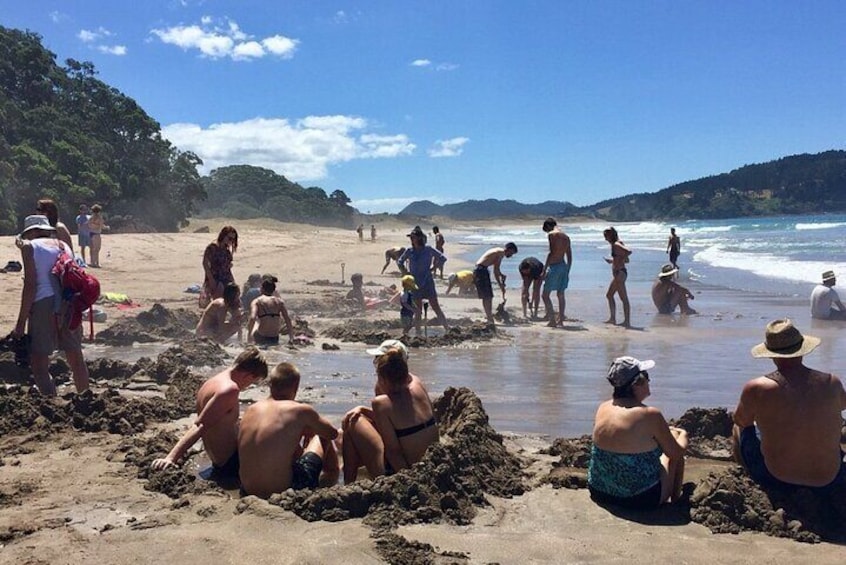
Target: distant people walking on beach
(267, 312)
(395, 431)
(47, 207)
(668, 295)
(96, 227)
(417, 261)
(464, 280)
(372, 232)
(788, 423)
(557, 271)
(618, 259)
(438, 266)
(221, 319)
(674, 247)
(637, 460)
(392, 254)
(217, 262)
(531, 271)
(482, 276)
(283, 443)
(43, 312)
(83, 233)
(825, 302)
(360, 231)
(217, 415)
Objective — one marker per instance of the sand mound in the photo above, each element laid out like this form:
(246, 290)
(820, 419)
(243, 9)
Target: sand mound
(156, 324)
(446, 485)
(730, 502)
(374, 332)
(709, 432)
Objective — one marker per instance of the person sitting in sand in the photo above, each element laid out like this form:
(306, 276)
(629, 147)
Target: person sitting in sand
(482, 276)
(825, 303)
(250, 291)
(213, 322)
(637, 460)
(419, 258)
(217, 262)
(283, 443)
(83, 232)
(392, 254)
(531, 271)
(559, 260)
(464, 280)
(356, 294)
(787, 428)
(217, 415)
(619, 273)
(668, 295)
(395, 431)
(268, 311)
(407, 304)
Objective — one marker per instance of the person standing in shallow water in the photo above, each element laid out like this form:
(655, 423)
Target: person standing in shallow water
(674, 247)
(619, 273)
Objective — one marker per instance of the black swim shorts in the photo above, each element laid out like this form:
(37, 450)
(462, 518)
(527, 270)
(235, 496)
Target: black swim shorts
(306, 471)
(482, 278)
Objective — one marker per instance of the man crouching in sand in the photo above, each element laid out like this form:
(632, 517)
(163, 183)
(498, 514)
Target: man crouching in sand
(283, 443)
(217, 420)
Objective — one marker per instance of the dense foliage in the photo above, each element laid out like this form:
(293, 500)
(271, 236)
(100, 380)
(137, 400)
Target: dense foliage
(66, 135)
(800, 184)
(244, 191)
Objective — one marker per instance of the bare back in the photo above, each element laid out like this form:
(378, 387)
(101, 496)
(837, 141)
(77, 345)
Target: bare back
(799, 417)
(492, 256)
(625, 427)
(269, 443)
(220, 433)
(559, 247)
(267, 312)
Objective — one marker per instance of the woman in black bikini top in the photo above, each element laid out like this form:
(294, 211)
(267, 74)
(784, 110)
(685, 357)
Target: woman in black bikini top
(396, 430)
(619, 257)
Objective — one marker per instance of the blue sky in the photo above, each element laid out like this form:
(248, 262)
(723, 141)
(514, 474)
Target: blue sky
(394, 101)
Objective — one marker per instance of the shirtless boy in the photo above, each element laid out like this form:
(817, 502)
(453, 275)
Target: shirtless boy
(557, 271)
(787, 423)
(217, 419)
(268, 311)
(392, 254)
(283, 443)
(492, 256)
(667, 294)
(214, 323)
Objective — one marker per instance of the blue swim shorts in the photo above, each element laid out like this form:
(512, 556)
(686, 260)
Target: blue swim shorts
(557, 277)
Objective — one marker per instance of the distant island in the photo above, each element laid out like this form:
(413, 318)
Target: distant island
(799, 184)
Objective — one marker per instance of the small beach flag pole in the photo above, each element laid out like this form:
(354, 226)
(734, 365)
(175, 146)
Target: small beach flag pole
(342, 272)
(426, 319)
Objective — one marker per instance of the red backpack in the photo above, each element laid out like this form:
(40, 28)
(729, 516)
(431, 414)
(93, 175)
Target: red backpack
(78, 287)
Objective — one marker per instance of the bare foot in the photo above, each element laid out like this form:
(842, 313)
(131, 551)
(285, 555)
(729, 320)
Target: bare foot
(626, 325)
(552, 324)
(611, 321)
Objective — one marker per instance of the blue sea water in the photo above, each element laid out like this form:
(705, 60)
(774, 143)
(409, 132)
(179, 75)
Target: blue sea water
(777, 255)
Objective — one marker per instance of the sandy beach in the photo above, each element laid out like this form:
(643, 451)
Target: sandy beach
(69, 495)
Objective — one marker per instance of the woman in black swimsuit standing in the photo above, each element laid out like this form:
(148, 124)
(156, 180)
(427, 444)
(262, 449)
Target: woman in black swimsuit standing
(400, 425)
(619, 257)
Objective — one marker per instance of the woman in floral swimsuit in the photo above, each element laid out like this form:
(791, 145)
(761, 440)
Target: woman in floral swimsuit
(217, 262)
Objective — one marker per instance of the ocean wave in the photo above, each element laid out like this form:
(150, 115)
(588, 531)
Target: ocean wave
(767, 265)
(819, 226)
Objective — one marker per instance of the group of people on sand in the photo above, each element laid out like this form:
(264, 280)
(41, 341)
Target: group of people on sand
(280, 443)
(787, 429)
(90, 226)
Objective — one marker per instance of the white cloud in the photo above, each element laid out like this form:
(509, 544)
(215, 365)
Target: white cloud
(340, 17)
(301, 150)
(88, 36)
(394, 205)
(439, 67)
(421, 63)
(448, 147)
(118, 50)
(446, 67)
(225, 40)
(58, 17)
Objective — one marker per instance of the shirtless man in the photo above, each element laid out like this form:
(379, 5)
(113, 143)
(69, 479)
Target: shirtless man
(268, 310)
(787, 423)
(213, 323)
(667, 294)
(392, 254)
(674, 247)
(531, 271)
(556, 271)
(283, 443)
(482, 276)
(438, 266)
(217, 419)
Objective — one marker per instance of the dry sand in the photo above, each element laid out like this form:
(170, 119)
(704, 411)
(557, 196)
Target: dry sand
(68, 496)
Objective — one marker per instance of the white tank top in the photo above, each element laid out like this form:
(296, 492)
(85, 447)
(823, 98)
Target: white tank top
(45, 252)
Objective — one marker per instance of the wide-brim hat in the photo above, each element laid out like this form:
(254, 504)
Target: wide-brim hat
(783, 340)
(37, 222)
(668, 270)
(828, 276)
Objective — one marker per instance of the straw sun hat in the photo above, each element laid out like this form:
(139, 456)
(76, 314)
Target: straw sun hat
(783, 340)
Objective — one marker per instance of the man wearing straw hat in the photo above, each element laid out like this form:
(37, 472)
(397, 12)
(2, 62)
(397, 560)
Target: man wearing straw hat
(668, 295)
(825, 303)
(787, 423)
